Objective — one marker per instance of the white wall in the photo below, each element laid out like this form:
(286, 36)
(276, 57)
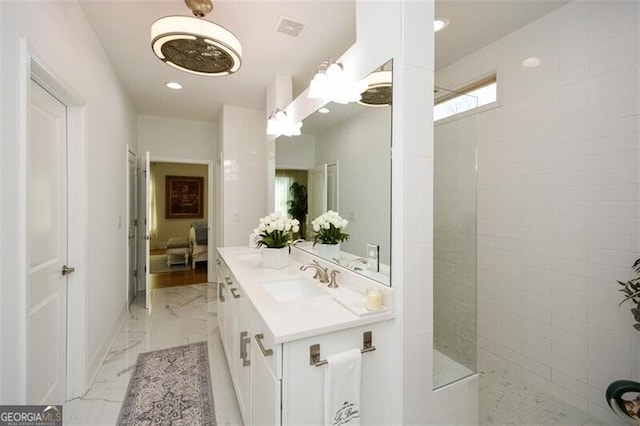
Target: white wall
(171, 138)
(558, 200)
(59, 34)
(244, 151)
(297, 152)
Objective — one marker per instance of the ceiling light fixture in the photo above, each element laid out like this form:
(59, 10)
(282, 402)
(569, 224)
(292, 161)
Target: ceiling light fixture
(531, 62)
(280, 124)
(195, 45)
(331, 82)
(379, 88)
(324, 110)
(173, 85)
(440, 23)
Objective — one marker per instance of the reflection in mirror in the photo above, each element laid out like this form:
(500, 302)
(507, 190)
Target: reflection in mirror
(454, 280)
(345, 155)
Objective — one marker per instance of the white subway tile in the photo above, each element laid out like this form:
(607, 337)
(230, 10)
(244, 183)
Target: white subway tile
(619, 126)
(569, 339)
(570, 325)
(565, 366)
(598, 351)
(569, 353)
(609, 337)
(569, 383)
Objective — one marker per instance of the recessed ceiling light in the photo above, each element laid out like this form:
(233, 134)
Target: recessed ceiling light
(323, 110)
(531, 62)
(173, 85)
(440, 23)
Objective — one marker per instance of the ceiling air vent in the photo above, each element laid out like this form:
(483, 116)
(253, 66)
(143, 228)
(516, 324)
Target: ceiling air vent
(289, 26)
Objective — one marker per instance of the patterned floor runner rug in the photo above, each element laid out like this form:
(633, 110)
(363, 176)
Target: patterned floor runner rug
(170, 387)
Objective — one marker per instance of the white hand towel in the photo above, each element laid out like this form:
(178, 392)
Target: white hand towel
(342, 378)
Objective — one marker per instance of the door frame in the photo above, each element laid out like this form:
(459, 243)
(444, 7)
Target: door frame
(35, 68)
(128, 289)
(210, 194)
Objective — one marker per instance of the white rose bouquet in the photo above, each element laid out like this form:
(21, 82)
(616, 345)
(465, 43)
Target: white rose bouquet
(328, 228)
(276, 231)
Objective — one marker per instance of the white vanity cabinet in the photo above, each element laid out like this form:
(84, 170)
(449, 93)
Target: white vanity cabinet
(236, 337)
(279, 383)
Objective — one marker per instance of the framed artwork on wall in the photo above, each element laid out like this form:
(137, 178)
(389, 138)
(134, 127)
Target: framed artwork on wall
(184, 197)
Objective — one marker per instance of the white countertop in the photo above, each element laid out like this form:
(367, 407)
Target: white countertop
(297, 319)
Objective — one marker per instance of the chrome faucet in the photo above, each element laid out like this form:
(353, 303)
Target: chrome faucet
(321, 273)
(356, 261)
(299, 240)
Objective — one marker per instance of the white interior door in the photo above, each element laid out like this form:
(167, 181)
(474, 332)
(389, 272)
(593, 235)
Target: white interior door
(332, 187)
(47, 248)
(132, 185)
(317, 193)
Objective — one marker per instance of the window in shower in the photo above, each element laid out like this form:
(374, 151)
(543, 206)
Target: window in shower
(449, 103)
(454, 280)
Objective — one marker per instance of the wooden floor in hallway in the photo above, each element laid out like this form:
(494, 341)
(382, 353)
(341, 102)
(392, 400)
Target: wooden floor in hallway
(179, 278)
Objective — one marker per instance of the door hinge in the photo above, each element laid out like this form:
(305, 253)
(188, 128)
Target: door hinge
(135, 222)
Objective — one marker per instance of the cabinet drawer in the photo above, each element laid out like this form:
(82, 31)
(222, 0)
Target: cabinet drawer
(264, 341)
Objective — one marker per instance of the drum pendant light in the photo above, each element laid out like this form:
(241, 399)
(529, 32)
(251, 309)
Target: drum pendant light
(195, 45)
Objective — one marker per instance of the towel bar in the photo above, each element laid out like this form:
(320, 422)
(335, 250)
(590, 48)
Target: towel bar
(314, 350)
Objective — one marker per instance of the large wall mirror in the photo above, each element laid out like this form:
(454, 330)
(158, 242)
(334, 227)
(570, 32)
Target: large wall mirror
(343, 161)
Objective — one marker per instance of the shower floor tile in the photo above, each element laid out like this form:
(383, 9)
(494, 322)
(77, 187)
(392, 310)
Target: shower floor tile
(506, 400)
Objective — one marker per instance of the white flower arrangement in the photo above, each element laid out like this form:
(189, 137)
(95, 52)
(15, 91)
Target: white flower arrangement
(276, 230)
(328, 227)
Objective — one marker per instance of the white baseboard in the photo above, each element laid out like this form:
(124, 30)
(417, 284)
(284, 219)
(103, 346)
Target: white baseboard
(102, 352)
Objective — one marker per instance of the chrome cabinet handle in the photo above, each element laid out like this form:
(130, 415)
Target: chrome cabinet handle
(233, 292)
(244, 340)
(265, 352)
(66, 270)
(220, 294)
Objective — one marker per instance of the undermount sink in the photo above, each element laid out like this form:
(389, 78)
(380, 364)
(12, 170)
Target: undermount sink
(288, 289)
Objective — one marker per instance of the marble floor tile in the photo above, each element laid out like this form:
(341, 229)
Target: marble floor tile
(181, 315)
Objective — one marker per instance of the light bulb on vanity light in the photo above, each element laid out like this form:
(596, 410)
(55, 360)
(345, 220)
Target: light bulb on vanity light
(280, 124)
(332, 83)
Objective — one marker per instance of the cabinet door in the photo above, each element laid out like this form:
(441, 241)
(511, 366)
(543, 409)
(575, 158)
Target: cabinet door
(265, 392)
(303, 384)
(228, 336)
(222, 310)
(242, 363)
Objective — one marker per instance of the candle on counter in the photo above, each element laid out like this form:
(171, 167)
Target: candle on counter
(374, 300)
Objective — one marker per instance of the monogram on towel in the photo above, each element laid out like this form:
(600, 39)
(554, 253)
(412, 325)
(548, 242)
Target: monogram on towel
(346, 413)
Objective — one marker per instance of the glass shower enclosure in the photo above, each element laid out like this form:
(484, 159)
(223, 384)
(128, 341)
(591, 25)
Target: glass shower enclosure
(454, 281)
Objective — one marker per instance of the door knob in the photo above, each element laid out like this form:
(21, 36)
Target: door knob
(66, 270)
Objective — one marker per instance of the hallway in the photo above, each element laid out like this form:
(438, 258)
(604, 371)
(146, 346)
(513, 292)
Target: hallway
(183, 314)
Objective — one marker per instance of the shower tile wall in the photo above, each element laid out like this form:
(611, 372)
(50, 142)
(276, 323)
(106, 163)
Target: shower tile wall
(558, 200)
